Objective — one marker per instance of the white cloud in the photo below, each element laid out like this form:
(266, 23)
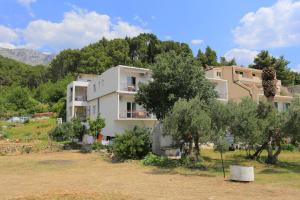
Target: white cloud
(77, 29)
(196, 41)
(7, 45)
(26, 3)
(7, 34)
(140, 20)
(270, 27)
(242, 56)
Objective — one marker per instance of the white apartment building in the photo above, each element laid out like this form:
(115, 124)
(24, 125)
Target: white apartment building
(110, 94)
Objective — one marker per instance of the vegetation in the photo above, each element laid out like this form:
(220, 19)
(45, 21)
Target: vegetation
(133, 144)
(68, 131)
(188, 123)
(174, 77)
(46, 85)
(97, 125)
(280, 65)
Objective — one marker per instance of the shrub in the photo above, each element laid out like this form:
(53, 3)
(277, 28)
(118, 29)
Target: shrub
(163, 161)
(97, 146)
(68, 131)
(289, 147)
(133, 144)
(190, 162)
(62, 132)
(159, 161)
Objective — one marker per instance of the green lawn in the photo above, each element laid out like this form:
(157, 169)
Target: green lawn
(34, 130)
(287, 171)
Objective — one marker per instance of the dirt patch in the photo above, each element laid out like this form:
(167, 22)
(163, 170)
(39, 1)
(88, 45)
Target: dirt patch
(56, 162)
(88, 176)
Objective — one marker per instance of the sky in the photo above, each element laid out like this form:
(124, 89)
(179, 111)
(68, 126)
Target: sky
(234, 28)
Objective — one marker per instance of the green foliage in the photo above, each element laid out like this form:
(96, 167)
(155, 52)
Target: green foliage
(96, 125)
(159, 161)
(97, 146)
(245, 125)
(62, 132)
(190, 122)
(165, 162)
(208, 58)
(16, 73)
(292, 126)
(68, 131)
(224, 62)
(52, 92)
(60, 108)
(95, 58)
(289, 147)
(280, 65)
(174, 77)
(133, 144)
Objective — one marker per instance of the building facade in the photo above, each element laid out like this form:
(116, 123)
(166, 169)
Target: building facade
(241, 82)
(110, 94)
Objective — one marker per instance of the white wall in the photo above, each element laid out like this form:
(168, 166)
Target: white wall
(106, 83)
(119, 126)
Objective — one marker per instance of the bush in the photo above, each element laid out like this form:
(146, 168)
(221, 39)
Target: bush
(159, 161)
(97, 146)
(289, 147)
(62, 132)
(68, 131)
(133, 144)
(163, 161)
(190, 162)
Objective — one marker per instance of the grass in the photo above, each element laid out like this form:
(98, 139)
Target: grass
(286, 172)
(34, 130)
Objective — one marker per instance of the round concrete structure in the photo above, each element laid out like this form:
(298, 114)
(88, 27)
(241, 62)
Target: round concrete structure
(241, 173)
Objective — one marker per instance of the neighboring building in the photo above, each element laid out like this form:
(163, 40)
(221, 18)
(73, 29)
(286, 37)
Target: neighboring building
(110, 94)
(245, 82)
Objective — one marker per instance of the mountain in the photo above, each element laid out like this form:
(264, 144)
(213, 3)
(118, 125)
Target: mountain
(27, 56)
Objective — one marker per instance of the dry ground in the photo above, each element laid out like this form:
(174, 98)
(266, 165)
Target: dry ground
(72, 175)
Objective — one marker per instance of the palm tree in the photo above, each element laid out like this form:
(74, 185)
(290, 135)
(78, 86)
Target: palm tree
(269, 83)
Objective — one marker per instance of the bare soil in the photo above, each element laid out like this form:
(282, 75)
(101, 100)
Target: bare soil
(72, 176)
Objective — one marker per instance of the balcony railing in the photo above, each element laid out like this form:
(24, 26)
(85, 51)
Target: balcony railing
(80, 98)
(136, 114)
(127, 87)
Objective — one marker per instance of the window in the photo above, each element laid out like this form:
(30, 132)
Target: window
(94, 109)
(219, 74)
(286, 106)
(99, 84)
(131, 81)
(102, 82)
(253, 74)
(239, 72)
(131, 108)
(94, 87)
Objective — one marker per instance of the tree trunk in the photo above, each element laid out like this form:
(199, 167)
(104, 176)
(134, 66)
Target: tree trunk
(258, 151)
(197, 148)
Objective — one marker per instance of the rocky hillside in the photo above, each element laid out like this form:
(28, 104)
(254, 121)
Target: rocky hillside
(27, 56)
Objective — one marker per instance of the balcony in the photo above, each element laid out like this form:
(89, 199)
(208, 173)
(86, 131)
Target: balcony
(128, 87)
(136, 114)
(80, 98)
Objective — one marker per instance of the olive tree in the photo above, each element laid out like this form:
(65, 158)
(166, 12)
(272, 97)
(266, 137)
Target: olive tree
(188, 123)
